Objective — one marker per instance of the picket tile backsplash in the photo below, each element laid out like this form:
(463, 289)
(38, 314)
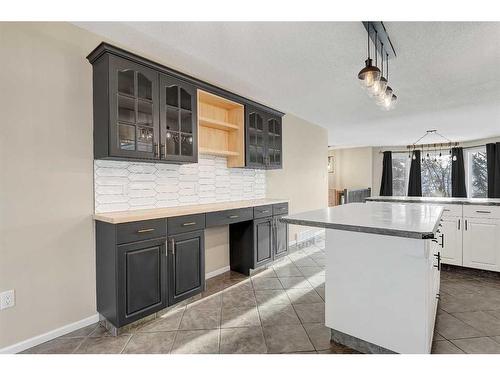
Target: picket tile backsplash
(122, 185)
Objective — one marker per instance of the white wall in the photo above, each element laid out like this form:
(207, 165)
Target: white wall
(303, 179)
(352, 168)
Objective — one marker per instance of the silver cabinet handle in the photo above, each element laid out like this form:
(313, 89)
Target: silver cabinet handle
(172, 244)
(465, 224)
(446, 210)
(189, 224)
(483, 212)
(459, 224)
(264, 211)
(233, 216)
(145, 230)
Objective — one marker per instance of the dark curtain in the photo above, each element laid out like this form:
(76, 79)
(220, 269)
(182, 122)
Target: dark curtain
(458, 189)
(386, 184)
(415, 181)
(490, 160)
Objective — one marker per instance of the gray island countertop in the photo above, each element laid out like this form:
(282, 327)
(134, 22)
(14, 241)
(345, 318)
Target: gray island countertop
(411, 221)
(438, 200)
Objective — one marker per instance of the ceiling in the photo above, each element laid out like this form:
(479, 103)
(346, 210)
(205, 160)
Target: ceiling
(446, 75)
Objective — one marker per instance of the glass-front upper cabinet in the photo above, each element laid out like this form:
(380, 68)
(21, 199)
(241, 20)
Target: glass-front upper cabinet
(134, 110)
(263, 139)
(274, 149)
(178, 120)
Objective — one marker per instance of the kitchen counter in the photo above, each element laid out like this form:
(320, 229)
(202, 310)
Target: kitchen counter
(438, 200)
(157, 213)
(388, 219)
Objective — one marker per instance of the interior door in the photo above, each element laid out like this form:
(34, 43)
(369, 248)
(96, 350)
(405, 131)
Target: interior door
(451, 253)
(186, 265)
(263, 240)
(281, 237)
(481, 243)
(178, 120)
(134, 111)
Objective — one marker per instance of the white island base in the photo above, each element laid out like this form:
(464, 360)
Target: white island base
(381, 291)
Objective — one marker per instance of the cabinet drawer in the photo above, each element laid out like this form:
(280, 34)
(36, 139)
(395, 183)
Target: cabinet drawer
(141, 230)
(452, 210)
(229, 216)
(187, 223)
(485, 212)
(262, 211)
(280, 208)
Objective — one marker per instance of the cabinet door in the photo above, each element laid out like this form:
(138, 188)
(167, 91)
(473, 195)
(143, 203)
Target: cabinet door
(256, 138)
(451, 252)
(186, 265)
(178, 120)
(481, 243)
(134, 110)
(280, 237)
(263, 241)
(142, 288)
(274, 143)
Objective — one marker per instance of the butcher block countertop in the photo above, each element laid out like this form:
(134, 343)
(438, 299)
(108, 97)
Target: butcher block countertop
(158, 213)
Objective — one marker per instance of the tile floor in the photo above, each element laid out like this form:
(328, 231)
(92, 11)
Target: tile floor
(281, 310)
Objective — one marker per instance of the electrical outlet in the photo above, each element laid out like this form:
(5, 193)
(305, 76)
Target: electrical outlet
(7, 299)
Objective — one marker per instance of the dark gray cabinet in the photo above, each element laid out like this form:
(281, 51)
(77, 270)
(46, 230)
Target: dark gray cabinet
(178, 120)
(280, 237)
(263, 139)
(186, 264)
(142, 288)
(263, 241)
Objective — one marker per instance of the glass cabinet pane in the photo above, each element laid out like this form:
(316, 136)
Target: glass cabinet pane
(186, 122)
(172, 140)
(126, 82)
(259, 122)
(173, 119)
(144, 112)
(185, 100)
(260, 155)
(251, 120)
(270, 125)
(187, 144)
(126, 137)
(277, 156)
(144, 87)
(172, 96)
(126, 109)
(144, 139)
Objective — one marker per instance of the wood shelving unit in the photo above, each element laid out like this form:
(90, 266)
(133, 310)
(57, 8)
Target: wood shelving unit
(221, 128)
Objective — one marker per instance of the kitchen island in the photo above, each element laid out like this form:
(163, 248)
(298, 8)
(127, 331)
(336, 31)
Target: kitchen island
(382, 274)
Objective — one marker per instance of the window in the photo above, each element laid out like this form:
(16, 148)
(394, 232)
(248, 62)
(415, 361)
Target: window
(436, 176)
(476, 174)
(400, 173)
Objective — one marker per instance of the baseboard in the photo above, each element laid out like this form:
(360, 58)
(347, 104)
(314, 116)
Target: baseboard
(40, 339)
(209, 275)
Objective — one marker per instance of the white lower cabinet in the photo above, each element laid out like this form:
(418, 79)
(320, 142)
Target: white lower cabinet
(481, 243)
(451, 252)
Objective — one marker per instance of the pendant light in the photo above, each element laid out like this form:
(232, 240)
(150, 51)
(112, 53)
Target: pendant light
(369, 74)
(386, 100)
(378, 89)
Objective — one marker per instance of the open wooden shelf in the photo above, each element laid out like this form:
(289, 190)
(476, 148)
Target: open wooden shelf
(203, 150)
(221, 128)
(216, 124)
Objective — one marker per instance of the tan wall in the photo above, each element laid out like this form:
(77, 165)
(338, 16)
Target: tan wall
(352, 168)
(303, 179)
(46, 188)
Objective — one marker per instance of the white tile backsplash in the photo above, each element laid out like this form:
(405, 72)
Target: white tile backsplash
(121, 185)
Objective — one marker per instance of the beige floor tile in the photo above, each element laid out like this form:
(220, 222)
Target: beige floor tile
(478, 345)
(103, 345)
(305, 262)
(319, 335)
(452, 328)
(238, 297)
(240, 317)
(445, 347)
(272, 315)
(303, 296)
(289, 270)
(321, 292)
(266, 284)
(311, 313)
(56, 346)
(482, 321)
(200, 318)
(286, 339)
(265, 273)
(312, 271)
(210, 302)
(272, 297)
(167, 321)
(295, 282)
(196, 342)
(242, 341)
(150, 343)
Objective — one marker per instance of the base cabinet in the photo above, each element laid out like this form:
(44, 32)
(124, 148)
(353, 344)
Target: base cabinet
(186, 263)
(280, 237)
(451, 253)
(481, 240)
(263, 241)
